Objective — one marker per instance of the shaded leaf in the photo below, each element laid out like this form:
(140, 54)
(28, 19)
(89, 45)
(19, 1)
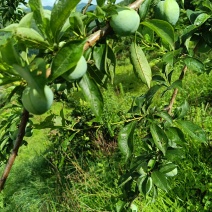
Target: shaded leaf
(159, 137)
(175, 154)
(165, 116)
(125, 140)
(175, 135)
(194, 64)
(192, 130)
(99, 56)
(159, 179)
(92, 95)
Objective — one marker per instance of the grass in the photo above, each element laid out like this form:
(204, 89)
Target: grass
(36, 183)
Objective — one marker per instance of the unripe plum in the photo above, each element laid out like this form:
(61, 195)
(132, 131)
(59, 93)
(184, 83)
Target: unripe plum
(35, 102)
(171, 11)
(126, 22)
(76, 72)
(168, 10)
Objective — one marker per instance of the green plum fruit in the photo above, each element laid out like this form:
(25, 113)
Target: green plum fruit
(171, 11)
(168, 10)
(159, 10)
(126, 22)
(76, 72)
(35, 102)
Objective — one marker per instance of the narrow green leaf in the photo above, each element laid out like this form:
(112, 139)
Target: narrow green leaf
(163, 30)
(60, 13)
(39, 16)
(160, 180)
(168, 167)
(9, 28)
(165, 116)
(66, 58)
(92, 95)
(143, 9)
(76, 23)
(125, 140)
(159, 137)
(140, 64)
(188, 32)
(192, 130)
(99, 56)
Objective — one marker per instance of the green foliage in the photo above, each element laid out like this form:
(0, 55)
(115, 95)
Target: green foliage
(152, 134)
(10, 11)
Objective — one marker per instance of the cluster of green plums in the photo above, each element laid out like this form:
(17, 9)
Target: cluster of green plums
(126, 21)
(40, 102)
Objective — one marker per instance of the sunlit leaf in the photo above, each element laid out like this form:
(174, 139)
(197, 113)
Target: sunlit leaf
(163, 30)
(140, 64)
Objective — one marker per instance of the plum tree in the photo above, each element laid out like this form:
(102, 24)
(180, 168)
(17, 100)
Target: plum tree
(125, 22)
(76, 72)
(37, 103)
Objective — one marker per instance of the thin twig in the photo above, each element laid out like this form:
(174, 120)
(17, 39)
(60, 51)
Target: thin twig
(18, 141)
(176, 90)
(86, 7)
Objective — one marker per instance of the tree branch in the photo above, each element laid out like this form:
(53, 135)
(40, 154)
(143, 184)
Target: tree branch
(18, 141)
(92, 39)
(176, 90)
